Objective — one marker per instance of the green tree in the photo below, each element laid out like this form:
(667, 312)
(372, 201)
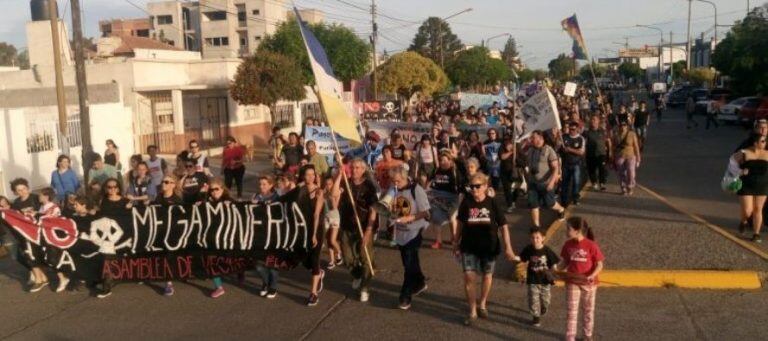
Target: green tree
(473, 68)
(586, 74)
(742, 54)
(678, 69)
(561, 68)
(510, 55)
(525, 75)
(8, 54)
(24, 60)
(701, 76)
(539, 75)
(350, 56)
(407, 73)
(433, 34)
(265, 78)
(631, 70)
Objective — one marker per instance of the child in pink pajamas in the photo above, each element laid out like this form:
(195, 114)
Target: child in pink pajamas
(582, 261)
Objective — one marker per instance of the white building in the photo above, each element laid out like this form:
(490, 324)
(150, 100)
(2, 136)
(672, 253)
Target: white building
(160, 97)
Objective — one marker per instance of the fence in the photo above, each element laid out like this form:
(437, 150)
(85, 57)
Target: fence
(41, 133)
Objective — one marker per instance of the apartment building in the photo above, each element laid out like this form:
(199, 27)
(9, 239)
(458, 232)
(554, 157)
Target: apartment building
(139, 27)
(216, 28)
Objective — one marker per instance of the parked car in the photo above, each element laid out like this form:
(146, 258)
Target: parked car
(754, 109)
(731, 112)
(714, 98)
(679, 96)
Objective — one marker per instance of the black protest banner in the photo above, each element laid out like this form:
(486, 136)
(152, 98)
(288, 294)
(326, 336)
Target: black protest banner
(164, 242)
(382, 110)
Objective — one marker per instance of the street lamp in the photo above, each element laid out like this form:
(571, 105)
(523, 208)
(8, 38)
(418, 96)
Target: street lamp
(715, 7)
(661, 42)
(488, 40)
(440, 33)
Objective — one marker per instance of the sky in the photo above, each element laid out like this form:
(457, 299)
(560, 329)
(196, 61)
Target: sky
(606, 24)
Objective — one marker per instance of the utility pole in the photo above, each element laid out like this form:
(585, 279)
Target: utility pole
(82, 90)
(688, 41)
(374, 37)
(671, 60)
(60, 99)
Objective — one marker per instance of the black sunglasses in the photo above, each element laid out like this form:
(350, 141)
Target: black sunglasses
(167, 182)
(475, 186)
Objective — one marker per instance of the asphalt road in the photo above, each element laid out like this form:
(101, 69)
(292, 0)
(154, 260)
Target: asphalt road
(636, 232)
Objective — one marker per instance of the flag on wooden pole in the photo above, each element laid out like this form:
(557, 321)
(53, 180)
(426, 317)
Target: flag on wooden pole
(340, 116)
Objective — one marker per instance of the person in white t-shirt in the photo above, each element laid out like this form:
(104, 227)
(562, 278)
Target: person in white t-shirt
(157, 166)
(410, 213)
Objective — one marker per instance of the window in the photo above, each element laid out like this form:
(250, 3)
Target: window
(257, 38)
(241, 16)
(283, 116)
(142, 33)
(217, 41)
(311, 110)
(243, 42)
(164, 19)
(256, 12)
(216, 15)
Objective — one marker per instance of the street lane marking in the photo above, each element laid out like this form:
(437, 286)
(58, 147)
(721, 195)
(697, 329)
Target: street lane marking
(743, 243)
(687, 279)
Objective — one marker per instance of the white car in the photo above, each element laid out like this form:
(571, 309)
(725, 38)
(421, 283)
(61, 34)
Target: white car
(730, 111)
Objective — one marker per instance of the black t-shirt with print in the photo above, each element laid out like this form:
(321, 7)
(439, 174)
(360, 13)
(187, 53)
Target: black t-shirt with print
(365, 197)
(448, 180)
(398, 153)
(32, 203)
(191, 186)
(480, 230)
(573, 142)
(539, 261)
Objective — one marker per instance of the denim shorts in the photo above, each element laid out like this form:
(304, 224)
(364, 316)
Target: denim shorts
(477, 264)
(539, 196)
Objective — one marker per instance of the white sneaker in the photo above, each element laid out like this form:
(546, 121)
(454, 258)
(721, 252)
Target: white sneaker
(364, 296)
(595, 187)
(62, 285)
(356, 283)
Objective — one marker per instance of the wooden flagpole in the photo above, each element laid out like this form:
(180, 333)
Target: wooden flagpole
(369, 261)
(592, 71)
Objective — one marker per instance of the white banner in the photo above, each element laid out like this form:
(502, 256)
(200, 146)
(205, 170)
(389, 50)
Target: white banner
(538, 113)
(324, 142)
(570, 89)
(411, 132)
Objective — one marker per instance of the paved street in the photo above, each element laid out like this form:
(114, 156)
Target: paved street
(638, 232)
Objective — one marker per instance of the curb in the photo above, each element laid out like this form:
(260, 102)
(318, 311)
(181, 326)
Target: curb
(741, 242)
(688, 279)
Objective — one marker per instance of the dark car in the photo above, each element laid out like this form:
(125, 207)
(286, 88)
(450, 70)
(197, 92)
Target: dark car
(679, 97)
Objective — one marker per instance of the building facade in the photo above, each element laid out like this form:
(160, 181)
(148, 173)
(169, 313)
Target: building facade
(216, 28)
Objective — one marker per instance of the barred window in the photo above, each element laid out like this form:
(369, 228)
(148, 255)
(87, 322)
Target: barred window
(282, 116)
(311, 110)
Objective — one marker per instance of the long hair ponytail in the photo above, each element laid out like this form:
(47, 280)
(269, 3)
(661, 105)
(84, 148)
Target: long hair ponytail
(580, 224)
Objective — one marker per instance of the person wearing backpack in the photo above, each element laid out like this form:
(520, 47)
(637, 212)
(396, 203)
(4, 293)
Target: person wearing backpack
(410, 213)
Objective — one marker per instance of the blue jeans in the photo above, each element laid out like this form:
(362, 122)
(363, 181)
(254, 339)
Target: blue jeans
(269, 276)
(571, 183)
(413, 278)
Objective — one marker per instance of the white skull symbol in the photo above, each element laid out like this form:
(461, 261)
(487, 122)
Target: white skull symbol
(390, 107)
(106, 233)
